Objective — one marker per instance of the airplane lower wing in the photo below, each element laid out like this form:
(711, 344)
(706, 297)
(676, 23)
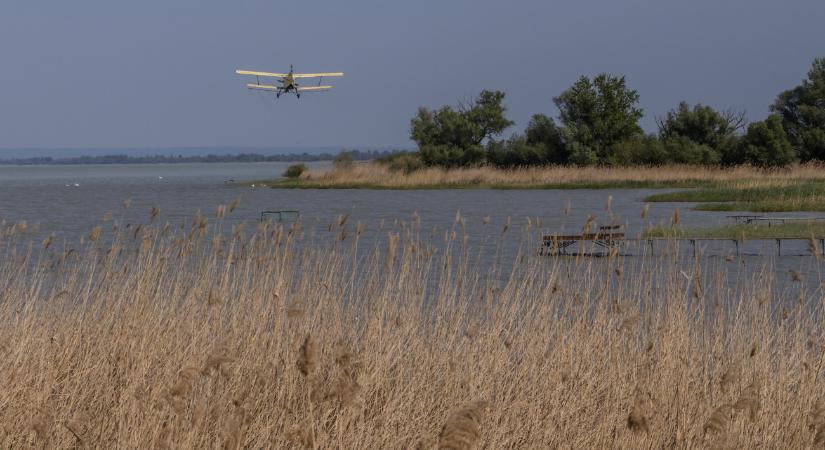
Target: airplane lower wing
(263, 87)
(260, 74)
(315, 75)
(314, 88)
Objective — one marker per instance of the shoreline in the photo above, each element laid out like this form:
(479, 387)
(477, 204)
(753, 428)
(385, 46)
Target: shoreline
(799, 188)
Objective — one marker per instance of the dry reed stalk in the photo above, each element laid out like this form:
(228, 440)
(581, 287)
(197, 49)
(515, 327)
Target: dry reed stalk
(307, 356)
(295, 310)
(795, 275)
(235, 202)
(749, 400)
(217, 360)
(731, 376)
(302, 435)
(553, 317)
(462, 429)
(674, 219)
(94, 235)
(719, 419)
(637, 419)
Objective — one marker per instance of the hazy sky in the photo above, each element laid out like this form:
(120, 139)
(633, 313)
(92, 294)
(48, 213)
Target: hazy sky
(159, 73)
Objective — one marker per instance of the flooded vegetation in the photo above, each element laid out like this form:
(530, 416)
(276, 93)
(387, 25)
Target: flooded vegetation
(211, 334)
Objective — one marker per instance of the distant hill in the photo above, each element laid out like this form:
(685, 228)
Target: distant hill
(359, 155)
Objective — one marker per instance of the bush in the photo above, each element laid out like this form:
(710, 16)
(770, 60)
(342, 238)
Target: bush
(295, 170)
(402, 162)
(683, 150)
(638, 150)
(452, 157)
(343, 161)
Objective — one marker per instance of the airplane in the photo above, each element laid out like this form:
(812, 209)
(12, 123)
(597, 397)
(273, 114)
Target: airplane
(288, 81)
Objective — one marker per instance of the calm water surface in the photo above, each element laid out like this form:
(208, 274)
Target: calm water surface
(69, 200)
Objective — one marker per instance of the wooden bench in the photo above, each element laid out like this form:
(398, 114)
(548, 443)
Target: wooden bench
(608, 236)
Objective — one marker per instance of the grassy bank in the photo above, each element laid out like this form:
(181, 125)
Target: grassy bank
(793, 230)
(754, 195)
(204, 338)
(379, 176)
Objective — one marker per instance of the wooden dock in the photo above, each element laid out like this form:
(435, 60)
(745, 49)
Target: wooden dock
(746, 219)
(558, 244)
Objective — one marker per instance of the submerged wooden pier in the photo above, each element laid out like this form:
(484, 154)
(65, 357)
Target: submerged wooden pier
(611, 239)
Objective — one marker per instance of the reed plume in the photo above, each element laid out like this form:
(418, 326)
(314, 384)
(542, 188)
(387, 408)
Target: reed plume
(462, 429)
(307, 356)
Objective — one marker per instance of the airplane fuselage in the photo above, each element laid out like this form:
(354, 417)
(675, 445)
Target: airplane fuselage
(288, 83)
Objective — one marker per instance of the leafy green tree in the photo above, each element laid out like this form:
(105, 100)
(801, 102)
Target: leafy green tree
(452, 157)
(541, 144)
(596, 115)
(803, 113)
(514, 152)
(487, 115)
(766, 144)
(638, 150)
(700, 135)
(454, 138)
(683, 150)
(543, 133)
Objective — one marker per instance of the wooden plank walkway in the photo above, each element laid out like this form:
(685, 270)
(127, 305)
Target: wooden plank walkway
(558, 244)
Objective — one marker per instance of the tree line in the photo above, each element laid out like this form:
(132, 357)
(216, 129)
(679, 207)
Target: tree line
(598, 124)
(355, 155)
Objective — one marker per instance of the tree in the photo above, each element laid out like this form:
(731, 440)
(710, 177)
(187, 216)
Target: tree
(638, 150)
(766, 144)
(487, 115)
(802, 110)
(596, 115)
(700, 135)
(454, 138)
(543, 133)
(541, 144)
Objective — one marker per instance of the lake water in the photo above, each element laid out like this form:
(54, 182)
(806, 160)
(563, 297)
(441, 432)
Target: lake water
(70, 200)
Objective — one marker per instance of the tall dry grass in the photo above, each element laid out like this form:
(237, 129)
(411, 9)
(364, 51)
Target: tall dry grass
(201, 337)
(380, 176)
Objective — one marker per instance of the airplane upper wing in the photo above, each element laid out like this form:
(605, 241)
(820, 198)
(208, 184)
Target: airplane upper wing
(260, 74)
(313, 88)
(313, 75)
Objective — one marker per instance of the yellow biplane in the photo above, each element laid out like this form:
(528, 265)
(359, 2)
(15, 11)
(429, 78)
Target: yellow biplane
(288, 81)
